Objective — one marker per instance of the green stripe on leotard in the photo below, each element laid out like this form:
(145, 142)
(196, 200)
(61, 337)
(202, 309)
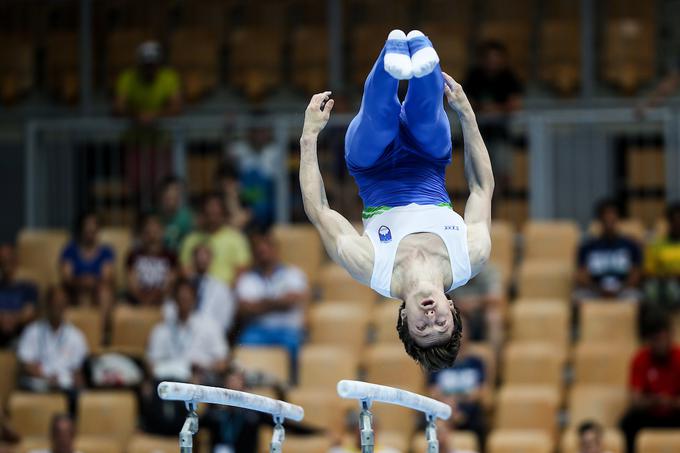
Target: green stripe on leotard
(369, 212)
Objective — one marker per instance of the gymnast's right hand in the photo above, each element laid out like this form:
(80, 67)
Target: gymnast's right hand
(455, 96)
(317, 114)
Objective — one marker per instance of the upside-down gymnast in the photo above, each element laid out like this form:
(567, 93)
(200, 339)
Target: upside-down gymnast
(415, 247)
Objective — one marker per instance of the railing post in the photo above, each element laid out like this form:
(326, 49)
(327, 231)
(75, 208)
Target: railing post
(541, 183)
(672, 154)
(29, 174)
(179, 152)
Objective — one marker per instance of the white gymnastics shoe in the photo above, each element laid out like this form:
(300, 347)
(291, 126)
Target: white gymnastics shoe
(397, 56)
(423, 56)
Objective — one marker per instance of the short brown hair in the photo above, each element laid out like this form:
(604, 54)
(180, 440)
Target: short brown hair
(432, 358)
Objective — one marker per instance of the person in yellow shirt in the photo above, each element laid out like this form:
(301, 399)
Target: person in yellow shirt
(662, 263)
(230, 248)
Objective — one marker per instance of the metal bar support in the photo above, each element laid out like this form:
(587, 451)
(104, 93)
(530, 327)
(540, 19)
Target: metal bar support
(190, 427)
(278, 435)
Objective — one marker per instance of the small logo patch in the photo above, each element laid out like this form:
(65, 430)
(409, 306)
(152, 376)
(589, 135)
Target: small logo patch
(451, 228)
(384, 234)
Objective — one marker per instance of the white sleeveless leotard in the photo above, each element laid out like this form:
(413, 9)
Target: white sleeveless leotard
(386, 230)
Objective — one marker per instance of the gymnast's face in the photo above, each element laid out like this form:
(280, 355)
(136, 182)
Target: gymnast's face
(430, 320)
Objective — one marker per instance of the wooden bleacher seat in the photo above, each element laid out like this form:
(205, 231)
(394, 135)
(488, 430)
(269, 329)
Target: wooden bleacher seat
(8, 377)
(532, 364)
(309, 56)
(90, 322)
(658, 441)
(607, 321)
(337, 284)
(17, 67)
(551, 240)
(528, 408)
(63, 77)
(322, 366)
(503, 250)
(451, 43)
(323, 407)
(300, 245)
(131, 328)
(601, 403)
(120, 239)
(108, 414)
(628, 56)
(256, 60)
(31, 413)
(545, 279)
(486, 353)
(365, 41)
(612, 441)
(392, 439)
(194, 53)
(519, 441)
(385, 321)
(272, 360)
(461, 440)
(605, 363)
(647, 209)
(144, 443)
(339, 324)
(396, 418)
(388, 364)
(39, 250)
(96, 444)
(544, 320)
(307, 444)
(559, 57)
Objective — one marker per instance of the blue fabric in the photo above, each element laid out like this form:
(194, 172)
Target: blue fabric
(415, 44)
(398, 153)
(397, 46)
(291, 339)
(465, 376)
(82, 266)
(609, 261)
(15, 296)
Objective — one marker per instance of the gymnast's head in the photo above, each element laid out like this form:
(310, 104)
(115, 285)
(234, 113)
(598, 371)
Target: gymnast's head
(431, 331)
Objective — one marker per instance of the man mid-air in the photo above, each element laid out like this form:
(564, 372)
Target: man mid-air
(415, 247)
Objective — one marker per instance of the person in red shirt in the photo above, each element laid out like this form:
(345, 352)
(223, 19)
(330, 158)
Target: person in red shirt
(654, 381)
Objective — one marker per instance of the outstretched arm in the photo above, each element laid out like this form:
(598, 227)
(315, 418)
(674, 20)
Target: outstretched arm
(344, 245)
(478, 174)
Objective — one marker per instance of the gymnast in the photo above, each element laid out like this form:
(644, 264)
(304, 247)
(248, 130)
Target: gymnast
(415, 247)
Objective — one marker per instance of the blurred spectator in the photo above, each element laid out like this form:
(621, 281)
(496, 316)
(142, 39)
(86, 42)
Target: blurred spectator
(214, 300)
(353, 444)
(229, 186)
(150, 266)
(62, 435)
(481, 302)
(668, 85)
(654, 381)
(51, 350)
(7, 434)
(86, 264)
(590, 438)
(228, 245)
(272, 298)
(462, 387)
(18, 299)
(662, 263)
(260, 161)
(609, 265)
(495, 91)
(189, 347)
(149, 90)
(175, 214)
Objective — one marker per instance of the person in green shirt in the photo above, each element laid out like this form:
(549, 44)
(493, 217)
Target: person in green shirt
(662, 263)
(176, 216)
(229, 246)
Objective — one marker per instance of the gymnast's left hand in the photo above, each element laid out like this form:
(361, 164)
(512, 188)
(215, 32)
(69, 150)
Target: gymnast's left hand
(317, 114)
(455, 96)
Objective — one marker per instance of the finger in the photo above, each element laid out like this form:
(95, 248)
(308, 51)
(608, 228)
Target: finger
(449, 80)
(318, 98)
(329, 106)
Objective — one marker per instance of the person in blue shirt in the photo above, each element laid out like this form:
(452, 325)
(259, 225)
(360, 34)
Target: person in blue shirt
(609, 265)
(18, 298)
(86, 265)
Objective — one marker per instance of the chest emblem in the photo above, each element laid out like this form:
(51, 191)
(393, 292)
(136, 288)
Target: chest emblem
(384, 234)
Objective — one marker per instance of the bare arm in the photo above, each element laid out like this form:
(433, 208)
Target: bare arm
(344, 245)
(478, 174)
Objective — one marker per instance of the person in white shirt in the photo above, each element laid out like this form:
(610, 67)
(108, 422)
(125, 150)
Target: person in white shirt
(189, 347)
(52, 350)
(272, 297)
(62, 435)
(214, 300)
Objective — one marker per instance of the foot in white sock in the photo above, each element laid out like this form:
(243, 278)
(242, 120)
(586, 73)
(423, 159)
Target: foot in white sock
(397, 56)
(423, 56)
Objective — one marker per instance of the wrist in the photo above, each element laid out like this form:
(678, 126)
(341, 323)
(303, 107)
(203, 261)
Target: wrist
(466, 115)
(308, 136)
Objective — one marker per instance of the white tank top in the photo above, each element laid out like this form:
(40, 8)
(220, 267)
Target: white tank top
(386, 230)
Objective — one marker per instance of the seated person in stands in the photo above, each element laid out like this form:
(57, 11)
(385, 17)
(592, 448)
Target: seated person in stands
(8, 436)
(272, 298)
(462, 387)
(229, 246)
(590, 438)
(189, 347)
(654, 380)
(662, 263)
(175, 214)
(151, 266)
(609, 266)
(51, 350)
(86, 264)
(18, 298)
(214, 299)
(62, 435)
(481, 302)
(228, 185)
